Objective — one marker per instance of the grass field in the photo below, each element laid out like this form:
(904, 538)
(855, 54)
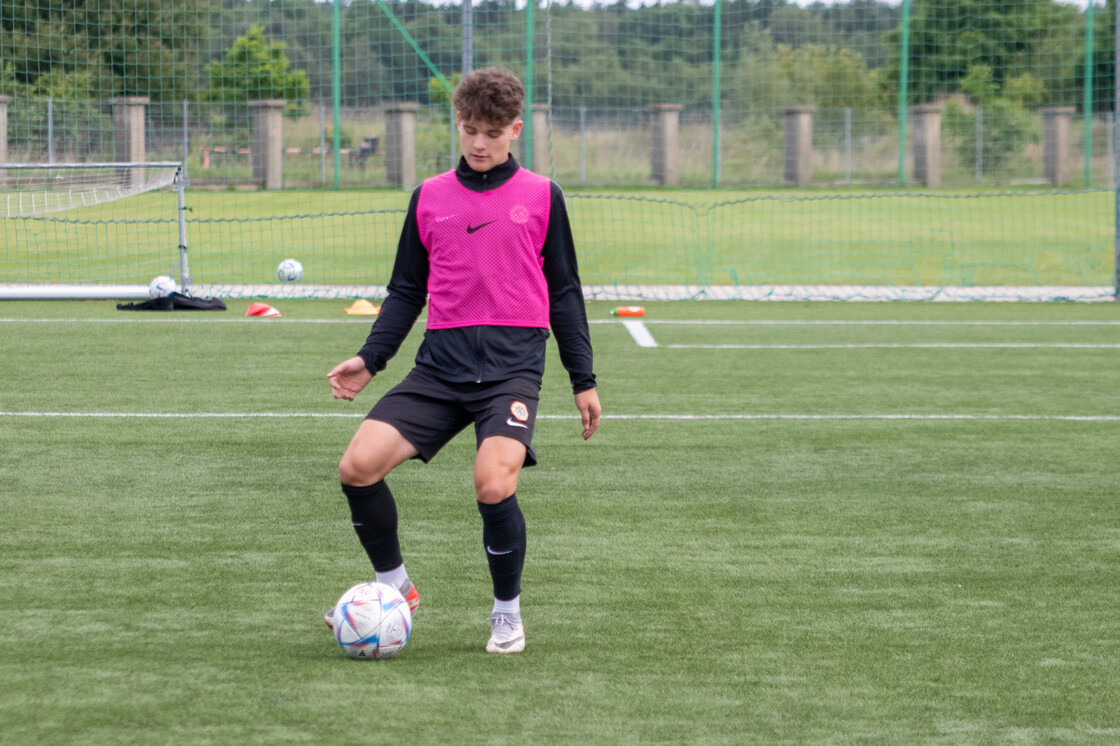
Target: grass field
(798, 523)
(935, 238)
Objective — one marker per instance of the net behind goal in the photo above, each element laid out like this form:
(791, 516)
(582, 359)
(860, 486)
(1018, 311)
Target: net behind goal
(90, 230)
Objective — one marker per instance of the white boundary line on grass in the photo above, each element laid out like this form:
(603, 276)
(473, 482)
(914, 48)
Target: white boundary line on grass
(673, 417)
(199, 318)
(878, 293)
(644, 338)
(951, 293)
(639, 332)
(868, 322)
(914, 346)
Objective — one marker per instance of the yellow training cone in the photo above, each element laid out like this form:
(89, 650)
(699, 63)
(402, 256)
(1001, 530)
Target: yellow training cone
(363, 307)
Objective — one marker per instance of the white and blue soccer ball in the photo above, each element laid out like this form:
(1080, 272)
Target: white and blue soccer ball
(372, 621)
(290, 270)
(162, 286)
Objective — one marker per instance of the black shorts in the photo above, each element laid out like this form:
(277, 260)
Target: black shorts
(429, 412)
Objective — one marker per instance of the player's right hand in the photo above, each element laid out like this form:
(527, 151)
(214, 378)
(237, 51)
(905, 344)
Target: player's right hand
(348, 378)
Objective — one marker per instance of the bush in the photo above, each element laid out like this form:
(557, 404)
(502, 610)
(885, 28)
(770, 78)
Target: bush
(1008, 124)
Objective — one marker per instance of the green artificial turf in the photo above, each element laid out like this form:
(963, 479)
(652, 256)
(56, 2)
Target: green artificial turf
(785, 535)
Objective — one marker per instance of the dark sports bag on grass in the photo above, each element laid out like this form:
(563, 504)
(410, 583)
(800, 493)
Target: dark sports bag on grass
(175, 302)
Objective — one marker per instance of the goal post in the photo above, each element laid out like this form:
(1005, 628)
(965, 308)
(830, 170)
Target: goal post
(90, 230)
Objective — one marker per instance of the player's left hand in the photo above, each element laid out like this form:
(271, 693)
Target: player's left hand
(587, 402)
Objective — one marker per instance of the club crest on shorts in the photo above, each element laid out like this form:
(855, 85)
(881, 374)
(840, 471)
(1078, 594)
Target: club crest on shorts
(519, 411)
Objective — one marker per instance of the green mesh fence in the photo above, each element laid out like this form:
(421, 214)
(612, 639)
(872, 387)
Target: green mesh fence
(715, 149)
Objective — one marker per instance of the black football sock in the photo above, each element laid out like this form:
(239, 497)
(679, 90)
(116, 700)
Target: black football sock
(374, 515)
(503, 535)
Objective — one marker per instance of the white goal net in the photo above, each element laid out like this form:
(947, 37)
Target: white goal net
(90, 230)
(37, 189)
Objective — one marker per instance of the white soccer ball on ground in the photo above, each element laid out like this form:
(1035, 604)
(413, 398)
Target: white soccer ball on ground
(290, 270)
(372, 621)
(162, 286)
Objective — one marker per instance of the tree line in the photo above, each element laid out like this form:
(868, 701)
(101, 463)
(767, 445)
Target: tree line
(773, 53)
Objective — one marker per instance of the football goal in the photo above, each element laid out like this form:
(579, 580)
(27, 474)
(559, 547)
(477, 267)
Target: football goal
(90, 230)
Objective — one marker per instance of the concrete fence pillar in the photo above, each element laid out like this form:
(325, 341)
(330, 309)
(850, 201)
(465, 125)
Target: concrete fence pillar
(128, 135)
(4, 101)
(664, 151)
(799, 144)
(541, 163)
(925, 143)
(400, 143)
(1055, 126)
(267, 145)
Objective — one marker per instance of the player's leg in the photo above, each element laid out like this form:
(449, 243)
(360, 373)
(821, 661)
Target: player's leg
(416, 418)
(497, 468)
(505, 414)
(375, 450)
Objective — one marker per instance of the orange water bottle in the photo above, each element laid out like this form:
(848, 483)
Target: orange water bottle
(629, 311)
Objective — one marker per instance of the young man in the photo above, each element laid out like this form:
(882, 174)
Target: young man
(489, 248)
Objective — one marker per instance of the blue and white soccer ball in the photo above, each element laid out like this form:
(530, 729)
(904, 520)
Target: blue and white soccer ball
(290, 271)
(372, 621)
(162, 286)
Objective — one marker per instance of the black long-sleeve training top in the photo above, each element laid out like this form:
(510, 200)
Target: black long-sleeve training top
(486, 353)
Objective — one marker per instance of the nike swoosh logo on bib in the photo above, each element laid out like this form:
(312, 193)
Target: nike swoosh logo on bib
(473, 228)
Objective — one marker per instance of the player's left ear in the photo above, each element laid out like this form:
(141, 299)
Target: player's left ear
(517, 125)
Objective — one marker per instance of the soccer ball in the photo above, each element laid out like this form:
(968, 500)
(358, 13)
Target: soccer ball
(290, 271)
(372, 621)
(161, 286)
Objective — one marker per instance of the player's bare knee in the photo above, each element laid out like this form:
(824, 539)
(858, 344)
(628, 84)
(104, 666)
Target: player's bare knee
(494, 489)
(352, 471)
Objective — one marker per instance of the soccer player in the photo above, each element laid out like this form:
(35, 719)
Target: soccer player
(488, 246)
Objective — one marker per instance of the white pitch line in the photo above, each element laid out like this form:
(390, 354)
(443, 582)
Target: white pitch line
(198, 318)
(870, 322)
(915, 346)
(639, 332)
(673, 417)
(192, 320)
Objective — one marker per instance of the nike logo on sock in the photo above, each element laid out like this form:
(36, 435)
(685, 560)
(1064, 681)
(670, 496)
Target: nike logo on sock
(473, 228)
(496, 553)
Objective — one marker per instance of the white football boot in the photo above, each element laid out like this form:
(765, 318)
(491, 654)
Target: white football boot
(507, 635)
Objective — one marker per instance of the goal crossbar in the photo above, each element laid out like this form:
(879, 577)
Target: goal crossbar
(107, 164)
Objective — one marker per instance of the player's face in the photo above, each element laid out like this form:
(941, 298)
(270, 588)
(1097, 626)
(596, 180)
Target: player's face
(485, 144)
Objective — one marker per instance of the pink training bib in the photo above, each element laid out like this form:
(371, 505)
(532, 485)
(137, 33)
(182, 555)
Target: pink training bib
(484, 250)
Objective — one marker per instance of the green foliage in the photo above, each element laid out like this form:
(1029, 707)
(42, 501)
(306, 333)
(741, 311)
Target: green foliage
(628, 56)
(1008, 120)
(134, 48)
(80, 125)
(8, 83)
(440, 98)
(1102, 68)
(950, 37)
(257, 68)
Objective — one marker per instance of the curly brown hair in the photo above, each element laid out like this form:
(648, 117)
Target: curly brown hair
(492, 94)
